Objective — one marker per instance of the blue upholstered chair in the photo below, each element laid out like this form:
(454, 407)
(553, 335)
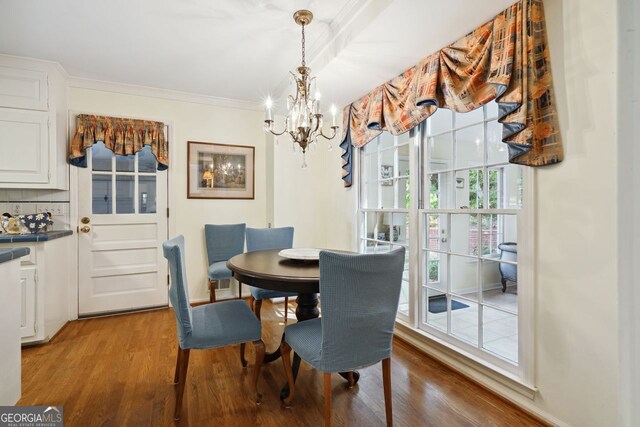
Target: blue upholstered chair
(260, 239)
(223, 242)
(508, 252)
(360, 295)
(206, 326)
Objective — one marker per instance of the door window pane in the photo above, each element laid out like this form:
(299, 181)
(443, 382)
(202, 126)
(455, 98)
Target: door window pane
(146, 160)
(492, 274)
(126, 163)
(469, 189)
(101, 157)
(147, 194)
(101, 194)
(436, 227)
(125, 194)
(464, 234)
(436, 309)
(464, 276)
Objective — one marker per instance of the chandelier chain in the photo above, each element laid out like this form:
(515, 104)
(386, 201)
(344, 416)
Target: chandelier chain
(303, 49)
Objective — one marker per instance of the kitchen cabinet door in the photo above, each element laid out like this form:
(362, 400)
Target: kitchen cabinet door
(24, 146)
(28, 303)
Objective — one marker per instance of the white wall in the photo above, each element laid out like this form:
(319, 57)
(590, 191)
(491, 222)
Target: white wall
(576, 324)
(192, 122)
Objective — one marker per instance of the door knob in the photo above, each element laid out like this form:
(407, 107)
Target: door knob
(85, 229)
(85, 220)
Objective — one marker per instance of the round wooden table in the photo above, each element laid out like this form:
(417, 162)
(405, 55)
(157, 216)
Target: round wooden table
(268, 270)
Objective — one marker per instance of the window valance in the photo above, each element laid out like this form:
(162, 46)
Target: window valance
(506, 59)
(122, 136)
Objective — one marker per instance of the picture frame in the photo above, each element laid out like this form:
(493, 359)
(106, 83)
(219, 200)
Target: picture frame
(386, 172)
(459, 182)
(220, 171)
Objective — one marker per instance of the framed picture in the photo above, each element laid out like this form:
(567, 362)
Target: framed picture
(459, 182)
(386, 172)
(220, 171)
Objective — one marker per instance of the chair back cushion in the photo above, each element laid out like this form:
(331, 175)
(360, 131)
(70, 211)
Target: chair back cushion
(360, 295)
(179, 292)
(224, 241)
(261, 239)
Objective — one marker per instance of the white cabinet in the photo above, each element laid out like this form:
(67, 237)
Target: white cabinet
(33, 124)
(24, 138)
(20, 88)
(28, 303)
(44, 280)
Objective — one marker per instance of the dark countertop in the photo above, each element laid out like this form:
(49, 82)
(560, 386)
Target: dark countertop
(38, 237)
(12, 253)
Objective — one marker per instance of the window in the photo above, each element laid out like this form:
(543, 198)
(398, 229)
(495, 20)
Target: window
(385, 201)
(469, 201)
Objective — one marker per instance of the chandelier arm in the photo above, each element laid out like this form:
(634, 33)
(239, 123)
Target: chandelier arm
(269, 124)
(334, 131)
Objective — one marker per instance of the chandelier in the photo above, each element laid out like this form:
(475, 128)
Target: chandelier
(303, 122)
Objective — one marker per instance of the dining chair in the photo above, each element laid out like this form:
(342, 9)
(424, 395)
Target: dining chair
(360, 294)
(260, 239)
(207, 326)
(224, 241)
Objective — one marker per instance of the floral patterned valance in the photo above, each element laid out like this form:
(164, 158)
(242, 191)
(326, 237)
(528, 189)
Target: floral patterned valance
(122, 136)
(506, 59)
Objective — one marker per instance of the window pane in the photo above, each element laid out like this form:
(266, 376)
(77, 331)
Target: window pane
(439, 152)
(492, 274)
(497, 229)
(500, 333)
(398, 227)
(403, 306)
(464, 320)
(371, 167)
(513, 186)
(385, 140)
(125, 163)
(433, 271)
(464, 276)
(101, 194)
(492, 110)
(387, 169)
(402, 192)
(371, 189)
(439, 190)
(469, 118)
(494, 181)
(147, 191)
(470, 146)
(387, 199)
(125, 194)
(497, 151)
(371, 225)
(101, 157)
(440, 121)
(435, 309)
(146, 160)
(469, 189)
(435, 226)
(464, 234)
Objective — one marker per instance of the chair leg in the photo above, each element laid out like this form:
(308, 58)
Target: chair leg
(352, 380)
(242, 359)
(176, 377)
(257, 306)
(504, 285)
(260, 350)
(212, 290)
(285, 354)
(286, 309)
(386, 380)
(327, 399)
(239, 290)
(184, 364)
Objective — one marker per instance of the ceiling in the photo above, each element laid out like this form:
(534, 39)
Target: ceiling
(240, 49)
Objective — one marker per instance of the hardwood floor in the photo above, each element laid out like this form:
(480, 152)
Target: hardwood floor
(118, 371)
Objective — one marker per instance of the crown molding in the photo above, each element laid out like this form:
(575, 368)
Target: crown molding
(159, 93)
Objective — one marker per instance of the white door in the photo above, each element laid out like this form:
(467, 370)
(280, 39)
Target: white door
(122, 211)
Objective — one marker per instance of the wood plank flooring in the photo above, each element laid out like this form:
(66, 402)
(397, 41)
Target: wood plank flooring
(118, 371)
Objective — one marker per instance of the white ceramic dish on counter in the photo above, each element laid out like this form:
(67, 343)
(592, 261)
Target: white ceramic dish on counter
(301, 254)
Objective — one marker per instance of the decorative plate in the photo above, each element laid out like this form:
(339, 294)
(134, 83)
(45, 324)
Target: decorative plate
(301, 254)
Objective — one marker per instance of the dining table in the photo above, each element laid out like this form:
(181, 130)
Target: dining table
(267, 269)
